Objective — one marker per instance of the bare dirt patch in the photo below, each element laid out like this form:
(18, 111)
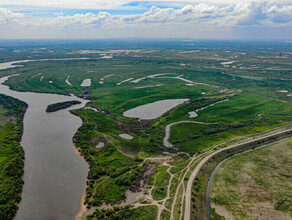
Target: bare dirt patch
(221, 210)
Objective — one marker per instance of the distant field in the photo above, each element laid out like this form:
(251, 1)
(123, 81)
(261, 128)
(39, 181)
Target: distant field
(123, 82)
(255, 185)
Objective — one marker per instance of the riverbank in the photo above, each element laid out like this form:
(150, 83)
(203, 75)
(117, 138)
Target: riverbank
(59, 167)
(83, 207)
(24, 108)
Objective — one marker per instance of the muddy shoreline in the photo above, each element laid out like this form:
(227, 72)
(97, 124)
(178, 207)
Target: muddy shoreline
(83, 208)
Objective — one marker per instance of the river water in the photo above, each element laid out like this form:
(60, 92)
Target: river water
(54, 175)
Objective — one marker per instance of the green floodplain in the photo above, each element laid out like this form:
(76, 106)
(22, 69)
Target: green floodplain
(253, 79)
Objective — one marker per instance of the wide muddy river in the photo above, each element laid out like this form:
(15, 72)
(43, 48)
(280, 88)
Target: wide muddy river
(54, 175)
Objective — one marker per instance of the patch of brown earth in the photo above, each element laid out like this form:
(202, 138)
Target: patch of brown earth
(221, 210)
(255, 200)
(265, 211)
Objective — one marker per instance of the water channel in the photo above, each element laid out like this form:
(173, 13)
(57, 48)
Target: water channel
(54, 175)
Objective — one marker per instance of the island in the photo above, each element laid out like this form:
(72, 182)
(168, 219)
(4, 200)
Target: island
(61, 105)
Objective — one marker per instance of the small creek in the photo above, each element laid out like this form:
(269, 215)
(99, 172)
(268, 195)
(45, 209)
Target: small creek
(166, 138)
(192, 114)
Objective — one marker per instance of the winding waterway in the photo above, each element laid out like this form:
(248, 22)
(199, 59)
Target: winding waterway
(11, 64)
(193, 114)
(166, 137)
(54, 175)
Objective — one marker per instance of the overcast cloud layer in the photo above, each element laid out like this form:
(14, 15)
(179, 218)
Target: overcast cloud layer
(211, 19)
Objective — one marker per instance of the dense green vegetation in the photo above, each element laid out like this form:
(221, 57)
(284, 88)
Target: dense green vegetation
(111, 172)
(238, 116)
(159, 180)
(261, 175)
(11, 155)
(61, 105)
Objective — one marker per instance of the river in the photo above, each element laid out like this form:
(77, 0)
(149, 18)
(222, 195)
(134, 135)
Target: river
(54, 175)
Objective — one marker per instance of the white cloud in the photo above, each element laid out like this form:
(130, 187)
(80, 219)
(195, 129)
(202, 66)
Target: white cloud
(253, 13)
(80, 19)
(117, 4)
(71, 4)
(7, 16)
(280, 14)
(195, 18)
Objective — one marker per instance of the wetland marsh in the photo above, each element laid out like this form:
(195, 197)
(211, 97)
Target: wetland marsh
(149, 114)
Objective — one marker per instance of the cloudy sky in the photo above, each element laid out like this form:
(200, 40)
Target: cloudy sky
(204, 19)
